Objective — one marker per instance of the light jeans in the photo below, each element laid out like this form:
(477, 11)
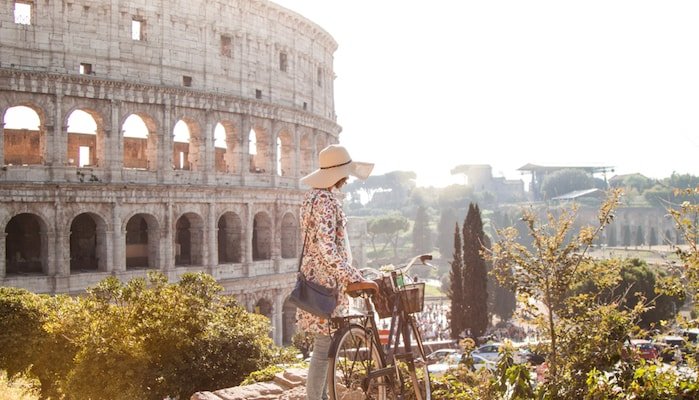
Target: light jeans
(316, 383)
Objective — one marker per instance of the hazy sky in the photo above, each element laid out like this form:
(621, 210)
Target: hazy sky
(425, 86)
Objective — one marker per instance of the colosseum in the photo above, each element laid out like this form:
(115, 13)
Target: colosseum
(171, 136)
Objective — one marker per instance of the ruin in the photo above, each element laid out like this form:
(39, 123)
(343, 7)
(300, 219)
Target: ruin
(199, 119)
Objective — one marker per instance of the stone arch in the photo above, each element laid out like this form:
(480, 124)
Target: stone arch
(142, 241)
(189, 240)
(262, 237)
(230, 235)
(85, 145)
(285, 154)
(288, 322)
(259, 150)
(140, 141)
(88, 243)
(26, 245)
(185, 145)
(264, 306)
(289, 233)
(24, 143)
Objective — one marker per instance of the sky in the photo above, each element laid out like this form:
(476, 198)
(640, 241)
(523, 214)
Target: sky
(426, 86)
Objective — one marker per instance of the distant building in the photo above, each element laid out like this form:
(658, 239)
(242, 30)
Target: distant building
(480, 178)
(539, 172)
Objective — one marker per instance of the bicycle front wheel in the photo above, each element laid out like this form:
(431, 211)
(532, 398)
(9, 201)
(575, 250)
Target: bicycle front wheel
(417, 367)
(354, 358)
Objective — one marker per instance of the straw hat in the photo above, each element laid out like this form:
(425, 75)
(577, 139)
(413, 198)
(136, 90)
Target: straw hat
(335, 164)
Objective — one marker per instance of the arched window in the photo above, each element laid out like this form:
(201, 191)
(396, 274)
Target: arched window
(230, 234)
(82, 139)
(141, 242)
(181, 138)
(24, 141)
(84, 244)
(189, 240)
(25, 246)
(289, 234)
(137, 146)
(261, 237)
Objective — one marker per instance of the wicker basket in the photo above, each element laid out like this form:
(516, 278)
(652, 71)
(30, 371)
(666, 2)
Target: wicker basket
(383, 303)
(412, 297)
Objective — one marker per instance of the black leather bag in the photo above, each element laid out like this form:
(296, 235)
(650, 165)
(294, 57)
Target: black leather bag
(313, 297)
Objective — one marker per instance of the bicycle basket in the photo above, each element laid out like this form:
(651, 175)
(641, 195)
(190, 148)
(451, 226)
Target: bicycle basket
(383, 303)
(412, 297)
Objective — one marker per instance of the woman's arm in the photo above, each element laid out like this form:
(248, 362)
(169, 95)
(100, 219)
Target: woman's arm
(328, 231)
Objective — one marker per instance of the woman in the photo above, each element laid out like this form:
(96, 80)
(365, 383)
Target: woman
(327, 258)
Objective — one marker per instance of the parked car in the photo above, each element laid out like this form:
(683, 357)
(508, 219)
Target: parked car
(438, 356)
(645, 348)
(490, 352)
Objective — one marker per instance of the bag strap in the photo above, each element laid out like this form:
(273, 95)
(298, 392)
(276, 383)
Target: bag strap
(305, 235)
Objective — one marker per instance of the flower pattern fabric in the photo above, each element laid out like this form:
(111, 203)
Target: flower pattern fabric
(327, 257)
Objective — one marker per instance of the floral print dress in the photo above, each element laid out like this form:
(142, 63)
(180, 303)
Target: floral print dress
(327, 257)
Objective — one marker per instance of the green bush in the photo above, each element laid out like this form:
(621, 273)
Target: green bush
(146, 339)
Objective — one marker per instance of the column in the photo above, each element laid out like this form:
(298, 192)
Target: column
(114, 152)
(207, 159)
(275, 152)
(3, 247)
(2, 149)
(278, 319)
(168, 250)
(247, 247)
(164, 159)
(246, 125)
(118, 240)
(212, 238)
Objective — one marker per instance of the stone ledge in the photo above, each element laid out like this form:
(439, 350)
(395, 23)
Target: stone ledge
(288, 385)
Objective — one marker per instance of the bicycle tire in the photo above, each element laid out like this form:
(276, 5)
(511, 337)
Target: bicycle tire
(347, 372)
(417, 367)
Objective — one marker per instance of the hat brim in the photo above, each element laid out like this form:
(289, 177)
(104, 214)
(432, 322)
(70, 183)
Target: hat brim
(325, 178)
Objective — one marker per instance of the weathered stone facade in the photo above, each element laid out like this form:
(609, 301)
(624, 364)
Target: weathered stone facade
(261, 72)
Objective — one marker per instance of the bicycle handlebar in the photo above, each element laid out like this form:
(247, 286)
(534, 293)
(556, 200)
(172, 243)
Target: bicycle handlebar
(423, 258)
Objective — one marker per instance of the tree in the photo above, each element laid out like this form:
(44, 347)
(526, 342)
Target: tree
(638, 283)
(565, 181)
(557, 264)
(455, 292)
(422, 236)
(474, 273)
(388, 229)
(685, 280)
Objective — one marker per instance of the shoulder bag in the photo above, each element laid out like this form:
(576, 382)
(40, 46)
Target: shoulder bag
(312, 297)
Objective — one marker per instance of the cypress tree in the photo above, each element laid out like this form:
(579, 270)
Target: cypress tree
(475, 274)
(455, 292)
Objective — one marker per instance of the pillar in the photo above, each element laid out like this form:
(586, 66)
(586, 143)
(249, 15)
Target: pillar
(212, 238)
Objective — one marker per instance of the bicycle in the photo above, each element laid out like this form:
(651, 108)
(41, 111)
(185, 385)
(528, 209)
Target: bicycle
(360, 366)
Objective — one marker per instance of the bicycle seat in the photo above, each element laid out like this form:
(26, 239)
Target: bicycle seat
(355, 289)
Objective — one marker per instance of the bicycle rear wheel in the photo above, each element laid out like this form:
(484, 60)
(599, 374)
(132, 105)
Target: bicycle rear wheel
(355, 356)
